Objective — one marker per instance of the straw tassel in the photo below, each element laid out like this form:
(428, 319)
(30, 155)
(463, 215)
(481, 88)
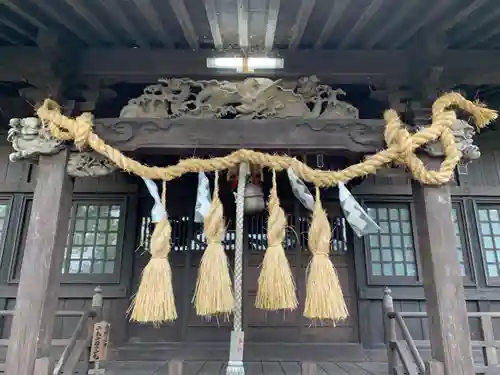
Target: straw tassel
(154, 301)
(324, 298)
(214, 291)
(276, 287)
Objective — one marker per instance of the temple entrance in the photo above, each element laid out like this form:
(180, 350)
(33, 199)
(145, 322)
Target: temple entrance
(259, 325)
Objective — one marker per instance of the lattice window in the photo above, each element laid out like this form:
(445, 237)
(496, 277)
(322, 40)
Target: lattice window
(391, 252)
(489, 232)
(94, 238)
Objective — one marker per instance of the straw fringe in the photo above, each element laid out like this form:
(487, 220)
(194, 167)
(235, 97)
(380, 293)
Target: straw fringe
(324, 298)
(276, 287)
(214, 291)
(154, 301)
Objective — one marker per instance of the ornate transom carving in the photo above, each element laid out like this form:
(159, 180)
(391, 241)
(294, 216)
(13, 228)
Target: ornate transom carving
(252, 98)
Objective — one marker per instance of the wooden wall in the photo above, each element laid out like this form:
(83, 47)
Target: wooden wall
(480, 184)
(17, 183)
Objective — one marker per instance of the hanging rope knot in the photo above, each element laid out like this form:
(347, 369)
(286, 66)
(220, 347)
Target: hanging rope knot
(82, 130)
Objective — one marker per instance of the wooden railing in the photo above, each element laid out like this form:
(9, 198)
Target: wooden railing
(403, 356)
(79, 343)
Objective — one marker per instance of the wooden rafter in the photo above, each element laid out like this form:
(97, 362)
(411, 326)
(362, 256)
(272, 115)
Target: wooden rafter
(17, 29)
(433, 12)
(465, 31)
(463, 14)
(59, 17)
(391, 23)
(483, 37)
(243, 24)
(334, 17)
(184, 19)
(21, 13)
(272, 20)
(146, 8)
(91, 20)
(367, 15)
(115, 11)
(213, 21)
(306, 8)
(8, 39)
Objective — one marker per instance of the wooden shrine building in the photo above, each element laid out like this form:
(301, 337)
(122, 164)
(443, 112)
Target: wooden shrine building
(70, 221)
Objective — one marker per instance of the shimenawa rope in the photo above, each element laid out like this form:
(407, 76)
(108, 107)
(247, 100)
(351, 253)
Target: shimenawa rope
(324, 298)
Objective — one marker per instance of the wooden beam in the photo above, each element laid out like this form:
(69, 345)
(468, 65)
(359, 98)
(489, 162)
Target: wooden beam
(129, 134)
(115, 11)
(483, 37)
(8, 38)
(470, 27)
(243, 24)
(213, 21)
(146, 8)
(17, 29)
(60, 18)
(432, 14)
(338, 8)
(463, 14)
(21, 13)
(272, 20)
(182, 15)
(104, 33)
(37, 296)
(398, 17)
(306, 8)
(444, 291)
(470, 67)
(367, 15)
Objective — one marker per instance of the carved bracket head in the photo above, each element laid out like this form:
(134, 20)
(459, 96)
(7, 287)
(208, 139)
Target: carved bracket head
(30, 139)
(464, 139)
(89, 164)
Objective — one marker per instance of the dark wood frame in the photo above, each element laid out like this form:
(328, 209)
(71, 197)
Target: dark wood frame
(489, 282)
(392, 280)
(113, 278)
(72, 287)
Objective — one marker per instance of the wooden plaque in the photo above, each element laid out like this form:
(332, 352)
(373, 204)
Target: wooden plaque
(100, 339)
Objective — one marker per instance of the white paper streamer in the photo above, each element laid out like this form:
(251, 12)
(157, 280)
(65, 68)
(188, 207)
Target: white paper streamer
(300, 190)
(158, 212)
(203, 198)
(359, 220)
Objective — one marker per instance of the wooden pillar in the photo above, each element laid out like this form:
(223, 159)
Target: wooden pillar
(444, 291)
(37, 294)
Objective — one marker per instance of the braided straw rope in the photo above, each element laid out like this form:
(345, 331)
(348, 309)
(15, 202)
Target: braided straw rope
(401, 146)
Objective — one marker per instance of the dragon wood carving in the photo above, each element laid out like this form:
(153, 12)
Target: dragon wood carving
(252, 98)
(30, 139)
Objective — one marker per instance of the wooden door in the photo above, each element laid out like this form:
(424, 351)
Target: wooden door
(291, 326)
(260, 326)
